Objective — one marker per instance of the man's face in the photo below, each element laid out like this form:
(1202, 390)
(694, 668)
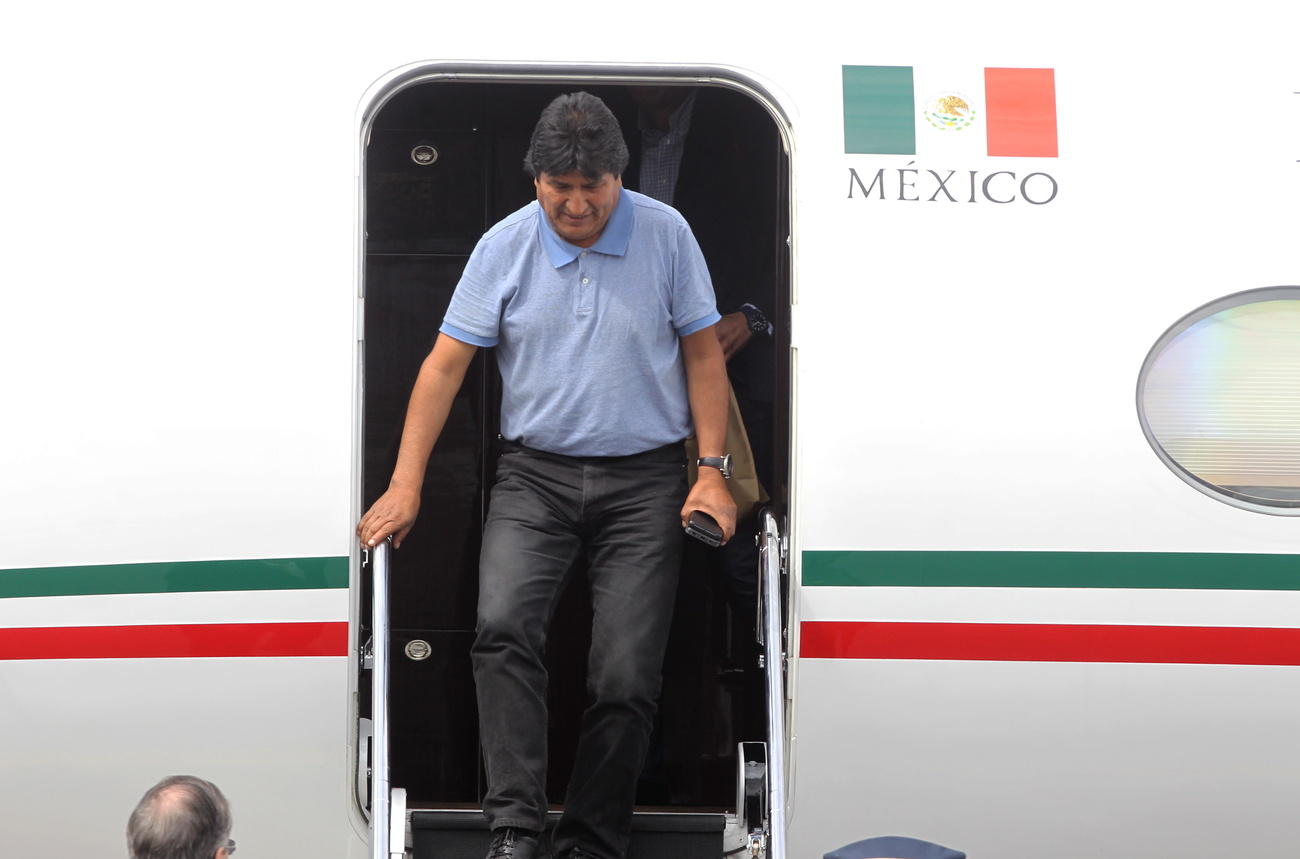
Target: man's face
(577, 207)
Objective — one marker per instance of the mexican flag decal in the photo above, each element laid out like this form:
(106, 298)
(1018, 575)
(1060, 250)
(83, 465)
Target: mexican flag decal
(902, 110)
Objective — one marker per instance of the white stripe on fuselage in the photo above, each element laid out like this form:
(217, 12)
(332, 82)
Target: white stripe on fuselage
(1053, 605)
(328, 604)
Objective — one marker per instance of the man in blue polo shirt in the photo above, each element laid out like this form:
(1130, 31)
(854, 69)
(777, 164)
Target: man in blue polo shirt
(599, 305)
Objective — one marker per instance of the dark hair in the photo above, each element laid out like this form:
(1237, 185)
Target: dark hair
(576, 132)
(181, 817)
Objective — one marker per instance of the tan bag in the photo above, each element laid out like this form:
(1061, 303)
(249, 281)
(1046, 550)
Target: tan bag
(746, 491)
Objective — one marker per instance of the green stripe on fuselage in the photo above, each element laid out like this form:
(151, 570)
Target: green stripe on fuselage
(1176, 570)
(176, 577)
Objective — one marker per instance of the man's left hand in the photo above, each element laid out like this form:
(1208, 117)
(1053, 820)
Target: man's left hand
(733, 333)
(711, 495)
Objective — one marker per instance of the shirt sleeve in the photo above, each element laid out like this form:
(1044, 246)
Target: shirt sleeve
(694, 305)
(474, 315)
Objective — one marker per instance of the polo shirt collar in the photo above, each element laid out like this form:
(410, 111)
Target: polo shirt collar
(613, 239)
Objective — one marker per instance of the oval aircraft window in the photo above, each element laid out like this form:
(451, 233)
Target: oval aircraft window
(1219, 399)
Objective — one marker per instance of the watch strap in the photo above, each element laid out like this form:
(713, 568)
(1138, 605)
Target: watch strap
(721, 463)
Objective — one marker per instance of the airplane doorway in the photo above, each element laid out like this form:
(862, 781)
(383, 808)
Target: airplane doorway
(442, 164)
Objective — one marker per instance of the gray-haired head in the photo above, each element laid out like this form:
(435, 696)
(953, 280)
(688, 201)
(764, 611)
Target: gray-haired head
(576, 132)
(181, 817)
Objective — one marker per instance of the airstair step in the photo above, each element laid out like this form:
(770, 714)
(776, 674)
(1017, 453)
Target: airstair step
(655, 835)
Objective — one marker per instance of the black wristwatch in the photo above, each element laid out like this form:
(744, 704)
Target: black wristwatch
(721, 463)
(757, 322)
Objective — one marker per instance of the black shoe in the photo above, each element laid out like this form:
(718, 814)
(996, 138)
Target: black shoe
(511, 843)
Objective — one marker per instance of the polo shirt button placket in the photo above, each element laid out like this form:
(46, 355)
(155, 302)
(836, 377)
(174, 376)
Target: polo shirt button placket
(585, 303)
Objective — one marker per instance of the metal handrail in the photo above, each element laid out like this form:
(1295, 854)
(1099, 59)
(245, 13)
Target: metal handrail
(774, 660)
(379, 779)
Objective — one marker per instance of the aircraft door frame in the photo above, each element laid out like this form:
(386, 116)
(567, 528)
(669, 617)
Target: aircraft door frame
(379, 95)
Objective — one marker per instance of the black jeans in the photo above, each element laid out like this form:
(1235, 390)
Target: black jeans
(546, 509)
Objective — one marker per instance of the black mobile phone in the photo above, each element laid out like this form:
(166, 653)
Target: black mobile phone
(704, 528)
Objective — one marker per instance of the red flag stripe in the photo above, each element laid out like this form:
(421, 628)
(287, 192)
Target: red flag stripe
(1031, 642)
(1021, 108)
(175, 640)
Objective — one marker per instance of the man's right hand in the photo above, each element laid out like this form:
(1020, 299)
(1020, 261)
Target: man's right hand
(440, 377)
(392, 515)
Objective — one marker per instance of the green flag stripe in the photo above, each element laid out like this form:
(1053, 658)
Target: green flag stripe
(1177, 570)
(879, 110)
(176, 577)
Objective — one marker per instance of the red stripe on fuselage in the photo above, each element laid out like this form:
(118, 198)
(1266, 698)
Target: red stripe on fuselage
(1033, 642)
(176, 640)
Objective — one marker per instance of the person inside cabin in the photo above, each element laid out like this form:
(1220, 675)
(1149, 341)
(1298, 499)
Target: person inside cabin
(600, 308)
(181, 817)
(712, 154)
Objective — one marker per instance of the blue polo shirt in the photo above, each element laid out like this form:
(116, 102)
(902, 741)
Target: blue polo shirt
(588, 338)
